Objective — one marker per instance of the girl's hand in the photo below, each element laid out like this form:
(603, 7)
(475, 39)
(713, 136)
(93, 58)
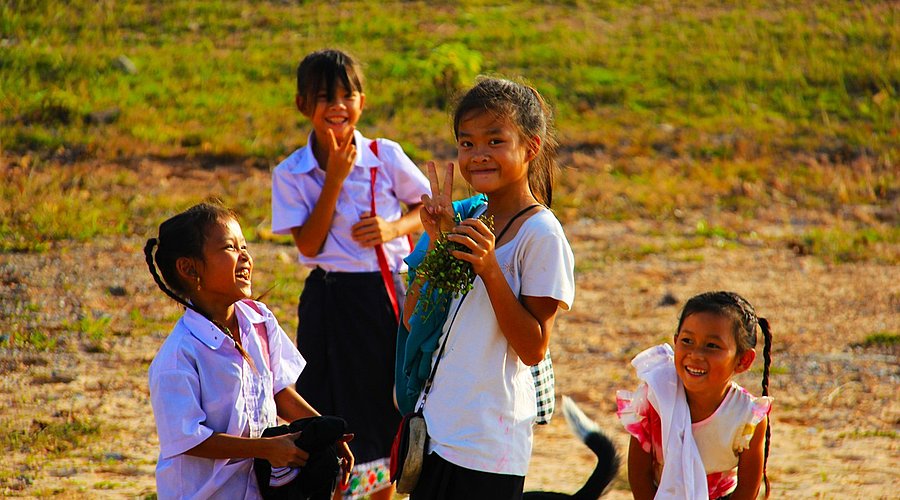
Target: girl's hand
(437, 209)
(479, 239)
(284, 453)
(341, 158)
(371, 231)
(346, 458)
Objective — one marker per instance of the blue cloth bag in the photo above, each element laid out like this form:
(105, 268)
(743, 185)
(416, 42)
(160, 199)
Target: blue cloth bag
(416, 346)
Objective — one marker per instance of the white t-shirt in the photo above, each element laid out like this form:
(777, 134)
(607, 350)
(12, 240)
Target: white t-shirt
(200, 384)
(297, 184)
(481, 406)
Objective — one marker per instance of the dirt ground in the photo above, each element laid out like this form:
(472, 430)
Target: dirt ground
(834, 423)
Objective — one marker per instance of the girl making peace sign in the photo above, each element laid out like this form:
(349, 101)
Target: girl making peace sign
(481, 405)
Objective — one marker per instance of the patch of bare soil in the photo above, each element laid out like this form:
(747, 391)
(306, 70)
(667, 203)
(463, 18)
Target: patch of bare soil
(834, 423)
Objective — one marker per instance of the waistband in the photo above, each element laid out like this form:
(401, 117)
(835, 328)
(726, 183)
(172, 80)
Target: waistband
(319, 273)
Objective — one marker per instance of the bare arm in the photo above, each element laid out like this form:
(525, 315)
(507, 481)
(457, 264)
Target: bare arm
(640, 471)
(310, 237)
(435, 214)
(291, 406)
(750, 465)
(279, 450)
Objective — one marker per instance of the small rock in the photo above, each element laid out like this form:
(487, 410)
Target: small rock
(102, 117)
(125, 64)
(668, 300)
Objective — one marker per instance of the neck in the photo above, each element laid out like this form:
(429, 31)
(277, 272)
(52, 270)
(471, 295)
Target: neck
(220, 314)
(505, 205)
(704, 405)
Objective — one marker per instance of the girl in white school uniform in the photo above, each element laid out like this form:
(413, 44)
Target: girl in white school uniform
(216, 383)
(341, 197)
(481, 406)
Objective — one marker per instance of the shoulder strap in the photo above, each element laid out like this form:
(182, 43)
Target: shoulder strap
(427, 386)
(261, 331)
(514, 217)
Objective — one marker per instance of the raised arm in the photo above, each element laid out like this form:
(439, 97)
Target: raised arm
(310, 237)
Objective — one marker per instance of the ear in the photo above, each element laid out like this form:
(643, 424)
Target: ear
(300, 102)
(745, 361)
(533, 148)
(362, 101)
(187, 269)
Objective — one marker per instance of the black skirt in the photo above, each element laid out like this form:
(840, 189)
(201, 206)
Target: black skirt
(347, 333)
(442, 480)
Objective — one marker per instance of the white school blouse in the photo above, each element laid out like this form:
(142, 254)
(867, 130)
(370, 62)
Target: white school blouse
(297, 184)
(481, 407)
(200, 384)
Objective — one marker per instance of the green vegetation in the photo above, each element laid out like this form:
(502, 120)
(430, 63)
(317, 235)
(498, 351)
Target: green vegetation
(216, 78)
(662, 109)
(53, 437)
(881, 339)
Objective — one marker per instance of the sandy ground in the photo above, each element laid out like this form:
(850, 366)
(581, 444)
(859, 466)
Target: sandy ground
(835, 419)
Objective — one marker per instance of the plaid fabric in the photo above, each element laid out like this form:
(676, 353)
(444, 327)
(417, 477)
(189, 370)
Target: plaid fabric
(544, 389)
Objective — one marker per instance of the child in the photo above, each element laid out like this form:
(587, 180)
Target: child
(215, 385)
(481, 405)
(695, 432)
(324, 194)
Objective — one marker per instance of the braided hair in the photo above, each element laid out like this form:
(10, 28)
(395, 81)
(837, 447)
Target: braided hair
(745, 321)
(184, 235)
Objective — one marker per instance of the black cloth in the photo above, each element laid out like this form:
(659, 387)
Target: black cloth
(318, 478)
(347, 333)
(442, 480)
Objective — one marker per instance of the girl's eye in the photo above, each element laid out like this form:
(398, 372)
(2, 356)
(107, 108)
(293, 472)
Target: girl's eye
(712, 346)
(495, 142)
(465, 144)
(685, 340)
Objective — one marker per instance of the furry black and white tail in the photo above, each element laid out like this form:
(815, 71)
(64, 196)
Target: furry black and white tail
(607, 458)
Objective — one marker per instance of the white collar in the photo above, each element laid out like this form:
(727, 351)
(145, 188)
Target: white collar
(208, 333)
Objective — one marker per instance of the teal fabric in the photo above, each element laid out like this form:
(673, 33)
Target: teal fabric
(416, 346)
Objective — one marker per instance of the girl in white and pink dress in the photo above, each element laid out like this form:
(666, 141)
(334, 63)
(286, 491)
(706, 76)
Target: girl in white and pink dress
(696, 434)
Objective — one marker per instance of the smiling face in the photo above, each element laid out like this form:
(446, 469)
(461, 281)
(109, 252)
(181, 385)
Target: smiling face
(339, 114)
(226, 268)
(493, 157)
(706, 355)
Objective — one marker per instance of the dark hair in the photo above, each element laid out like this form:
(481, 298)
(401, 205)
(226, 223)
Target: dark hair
(324, 69)
(523, 106)
(745, 321)
(184, 235)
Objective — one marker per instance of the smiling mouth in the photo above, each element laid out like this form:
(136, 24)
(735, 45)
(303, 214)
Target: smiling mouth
(243, 274)
(694, 371)
(336, 121)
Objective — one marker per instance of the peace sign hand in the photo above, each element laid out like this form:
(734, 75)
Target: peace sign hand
(437, 209)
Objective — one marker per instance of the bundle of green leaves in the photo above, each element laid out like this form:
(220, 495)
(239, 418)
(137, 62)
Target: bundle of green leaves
(444, 274)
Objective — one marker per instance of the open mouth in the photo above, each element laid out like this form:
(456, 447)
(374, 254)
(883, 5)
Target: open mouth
(694, 371)
(243, 274)
(336, 121)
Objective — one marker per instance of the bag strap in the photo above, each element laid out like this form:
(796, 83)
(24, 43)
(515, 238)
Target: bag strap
(427, 386)
(386, 275)
(261, 331)
(514, 217)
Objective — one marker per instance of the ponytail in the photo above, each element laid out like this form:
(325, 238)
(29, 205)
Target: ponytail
(767, 361)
